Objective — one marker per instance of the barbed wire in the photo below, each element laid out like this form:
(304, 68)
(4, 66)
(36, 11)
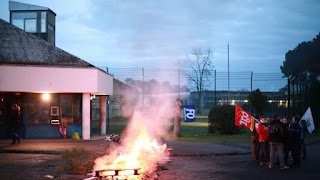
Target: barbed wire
(238, 80)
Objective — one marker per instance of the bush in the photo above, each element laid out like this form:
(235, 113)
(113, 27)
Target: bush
(221, 119)
(78, 161)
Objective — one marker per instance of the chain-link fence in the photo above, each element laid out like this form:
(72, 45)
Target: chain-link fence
(303, 93)
(221, 88)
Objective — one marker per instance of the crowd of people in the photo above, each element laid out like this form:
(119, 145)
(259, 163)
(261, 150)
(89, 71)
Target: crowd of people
(278, 141)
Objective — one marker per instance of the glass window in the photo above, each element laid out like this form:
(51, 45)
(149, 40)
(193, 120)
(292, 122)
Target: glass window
(43, 22)
(24, 15)
(19, 23)
(70, 108)
(30, 25)
(38, 109)
(50, 27)
(3, 110)
(25, 20)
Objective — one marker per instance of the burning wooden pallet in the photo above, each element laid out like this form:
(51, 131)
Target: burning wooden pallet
(122, 174)
(118, 174)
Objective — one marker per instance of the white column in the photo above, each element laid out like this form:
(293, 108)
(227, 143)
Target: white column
(103, 115)
(86, 116)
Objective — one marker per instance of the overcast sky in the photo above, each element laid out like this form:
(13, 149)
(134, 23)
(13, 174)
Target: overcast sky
(154, 34)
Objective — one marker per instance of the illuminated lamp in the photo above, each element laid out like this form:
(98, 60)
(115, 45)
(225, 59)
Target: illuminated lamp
(45, 96)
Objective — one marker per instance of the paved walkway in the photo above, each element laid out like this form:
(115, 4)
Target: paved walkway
(98, 144)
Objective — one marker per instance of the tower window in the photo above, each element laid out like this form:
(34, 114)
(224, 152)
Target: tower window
(30, 25)
(43, 22)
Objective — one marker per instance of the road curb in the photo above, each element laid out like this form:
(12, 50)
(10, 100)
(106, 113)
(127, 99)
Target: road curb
(172, 153)
(31, 152)
(208, 154)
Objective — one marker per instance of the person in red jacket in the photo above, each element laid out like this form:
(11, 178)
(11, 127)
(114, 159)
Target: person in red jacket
(263, 140)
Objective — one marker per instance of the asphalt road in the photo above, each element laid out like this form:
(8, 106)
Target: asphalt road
(239, 167)
(35, 166)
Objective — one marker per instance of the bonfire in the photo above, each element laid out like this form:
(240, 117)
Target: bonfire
(137, 156)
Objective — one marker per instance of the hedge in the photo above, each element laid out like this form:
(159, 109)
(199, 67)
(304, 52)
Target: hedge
(221, 120)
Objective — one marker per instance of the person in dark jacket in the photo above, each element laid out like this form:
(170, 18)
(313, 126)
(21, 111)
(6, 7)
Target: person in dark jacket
(286, 144)
(294, 140)
(15, 122)
(303, 145)
(276, 135)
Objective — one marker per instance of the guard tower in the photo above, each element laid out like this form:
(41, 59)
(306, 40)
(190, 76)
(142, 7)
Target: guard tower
(38, 20)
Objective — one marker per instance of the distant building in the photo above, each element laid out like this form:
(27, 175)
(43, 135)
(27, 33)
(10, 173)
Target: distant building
(277, 101)
(38, 20)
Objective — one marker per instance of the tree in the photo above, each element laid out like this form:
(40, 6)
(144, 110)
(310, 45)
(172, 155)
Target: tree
(177, 118)
(198, 67)
(303, 60)
(130, 81)
(302, 67)
(258, 100)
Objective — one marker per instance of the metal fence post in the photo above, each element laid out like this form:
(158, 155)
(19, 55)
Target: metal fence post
(289, 97)
(179, 81)
(293, 98)
(251, 81)
(215, 87)
(142, 88)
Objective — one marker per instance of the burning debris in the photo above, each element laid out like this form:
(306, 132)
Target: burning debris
(136, 160)
(114, 138)
(137, 153)
(139, 160)
(118, 174)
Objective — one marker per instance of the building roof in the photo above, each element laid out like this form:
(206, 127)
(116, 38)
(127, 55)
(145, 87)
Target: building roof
(20, 47)
(18, 6)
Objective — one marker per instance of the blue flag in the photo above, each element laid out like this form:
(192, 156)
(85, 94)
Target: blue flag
(189, 113)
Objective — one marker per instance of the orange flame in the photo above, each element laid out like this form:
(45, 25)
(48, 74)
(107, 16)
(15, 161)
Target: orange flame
(143, 152)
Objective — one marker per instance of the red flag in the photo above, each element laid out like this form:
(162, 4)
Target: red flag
(64, 131)
(242, 118)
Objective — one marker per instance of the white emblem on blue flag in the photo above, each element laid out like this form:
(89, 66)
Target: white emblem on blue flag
(189, 113)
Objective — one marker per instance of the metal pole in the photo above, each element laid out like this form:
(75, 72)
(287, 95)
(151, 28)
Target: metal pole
(297, 97)
(250, 107)
(143, 88)
(289, 98)
(108, 117)
(300, 99)
(179, 81)
(251, 81)
(293, 98)
(228, 76)
(215, 87)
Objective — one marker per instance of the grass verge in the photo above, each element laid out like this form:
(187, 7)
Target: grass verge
(193, 131)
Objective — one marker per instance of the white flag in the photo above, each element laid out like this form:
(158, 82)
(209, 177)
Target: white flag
(309, 120)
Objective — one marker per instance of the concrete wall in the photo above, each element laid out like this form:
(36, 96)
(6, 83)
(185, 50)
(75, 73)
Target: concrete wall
(54, 79)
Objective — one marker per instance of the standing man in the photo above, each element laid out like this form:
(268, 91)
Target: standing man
(263, 140)
(276, 135)
(177, 116)
(286, 142)
(15, 120)
(304, 129)
(295, 136)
